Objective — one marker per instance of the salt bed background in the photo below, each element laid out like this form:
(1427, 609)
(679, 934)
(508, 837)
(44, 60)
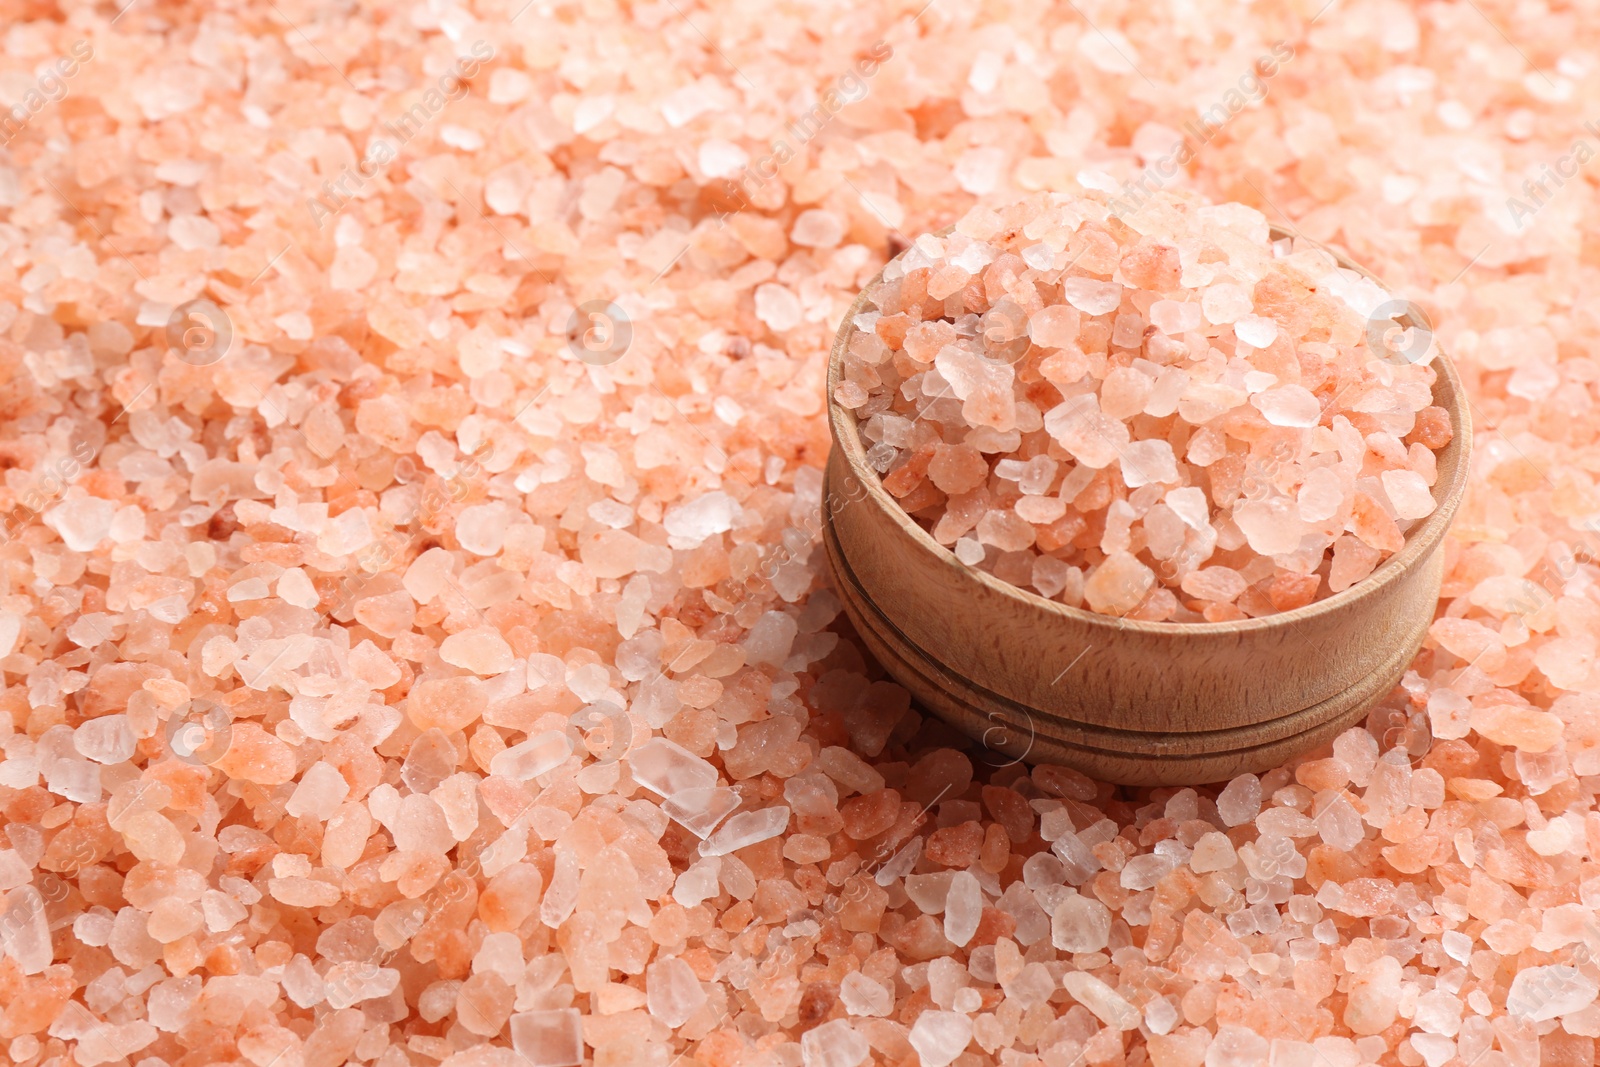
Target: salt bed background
(234, 592)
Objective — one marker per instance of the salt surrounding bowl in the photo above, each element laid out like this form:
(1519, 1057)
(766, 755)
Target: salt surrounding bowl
(1148, 703)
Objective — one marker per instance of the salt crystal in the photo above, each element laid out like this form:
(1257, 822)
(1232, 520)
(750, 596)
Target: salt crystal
(963, 908)
(25, 930)
(108, 739)
(817, 229)
(691, 522)
(746, 829)
(777, 307)
(1109, 1006)
(1224, 303)
(1255, 330)
(1272, 526)
(701, 810)
(1240, 801)
(1236, 1046)
(1080, 924)
(481, 650)
(1288, 405)
(548, 1038)
(969, 550)
(862, 995)
(939, 1037)
(533, 757)
(673, 992)
(668, 768)
(82, 522)
(1409, 493)
(1118, 585)
(833, 1044)
(1173, 317)
(319, 793)
(1213, 852)
(1092, 297)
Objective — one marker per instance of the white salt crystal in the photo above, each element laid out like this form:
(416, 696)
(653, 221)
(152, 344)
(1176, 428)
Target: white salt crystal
(107, 739)
(963, 908)
(1092, 297)
(1106, 1003)
(1272, 526)
(10, 631)
(1191, 506)
(701, 810)
(690, 523)
(1149, 462)
(940, 1036)
(481, 528)
(1320, 495)
(1160, 1014)
(480, 649)
(970, 550)
(1288, 405)
(295, 588)
(1039, 256)
(221, 911)
(777, 307)
(25, 930)
(82, 522)
(320, 792)
(429, 761)
(533, 757)
(1240, 801)
(1540, 993)
(721, 159)
(429, 575)
(834, 1044)
(667, 768)
(75, 779)
(1088, 434)
(746, 829)
(861, 995)
(1213, 852)
(672, 991)
(1256, 331)
(697, 884)
(1224, 302)
(170, 1004)
(1080, 924)
(1173, 317)
(1144, 872)
(1409, 493)
(548, 1038)
(420, 826)
(1237, 1046)
(93, 928)
(771, 638)
(817, 229)
(562, 895)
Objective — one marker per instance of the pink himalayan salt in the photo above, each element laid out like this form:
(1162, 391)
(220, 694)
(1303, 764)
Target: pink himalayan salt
(386, 374)
(1167, 382)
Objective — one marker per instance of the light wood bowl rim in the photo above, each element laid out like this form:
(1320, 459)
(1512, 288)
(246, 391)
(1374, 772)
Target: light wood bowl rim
(1448, 489)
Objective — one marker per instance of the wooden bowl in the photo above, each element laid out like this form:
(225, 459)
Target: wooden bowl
(1141, 703)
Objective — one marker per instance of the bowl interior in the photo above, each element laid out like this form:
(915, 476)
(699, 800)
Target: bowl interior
(1448, 489)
